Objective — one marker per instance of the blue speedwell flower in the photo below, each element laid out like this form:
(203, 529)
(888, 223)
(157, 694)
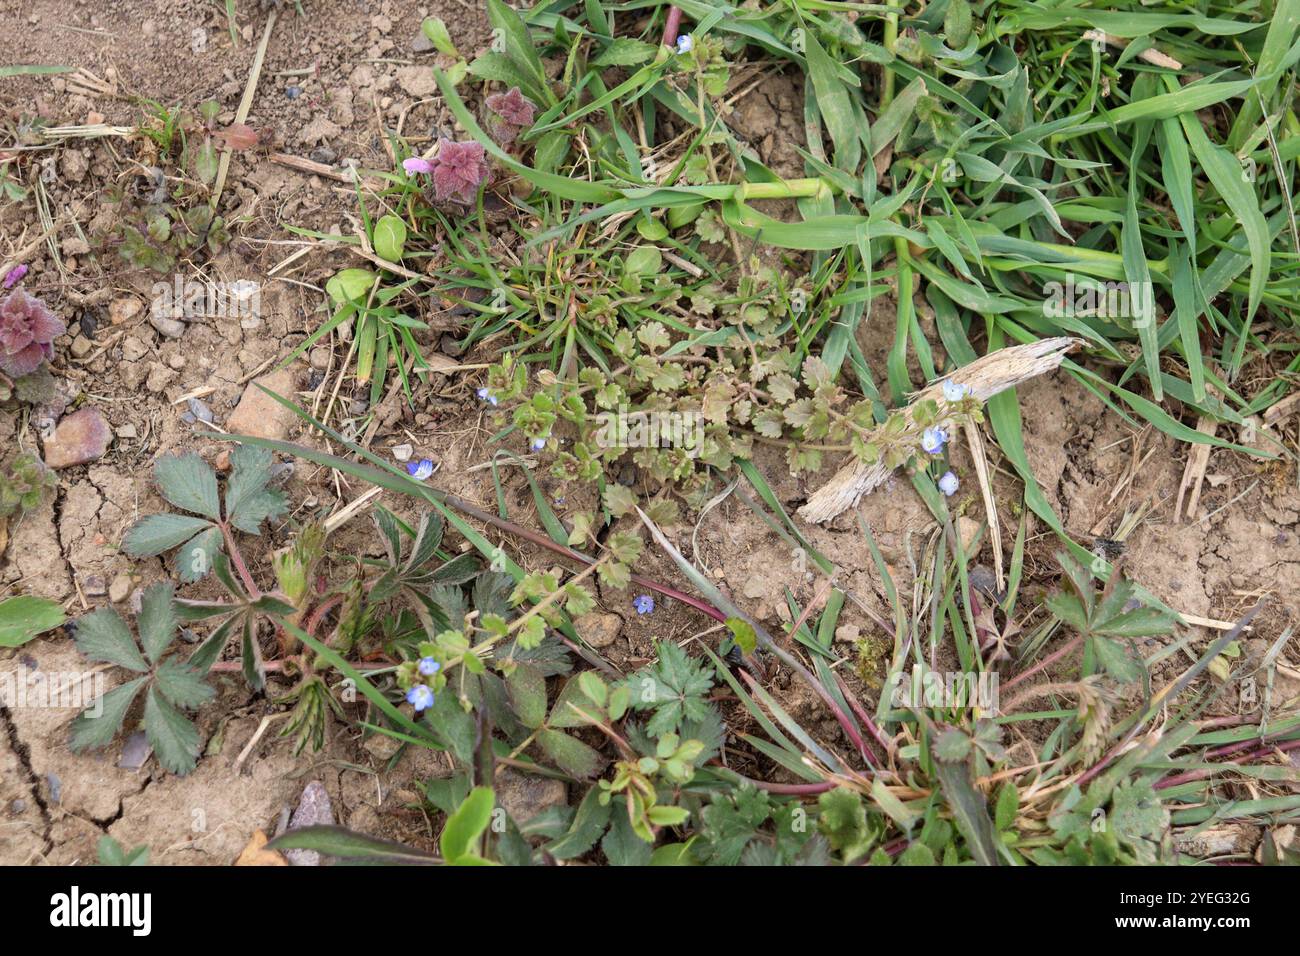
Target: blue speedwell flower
(643, 604)
(948, 484)
(487, 396)
(684, 44)
(955, 391)
(428, 666)
(932, 440)
(538, 444)
(420, 470)
(420, 697)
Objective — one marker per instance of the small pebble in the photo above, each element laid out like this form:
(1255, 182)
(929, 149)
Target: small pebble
(403, 452)
(120, 589)
(200, 411)
(167, 327)
(313, 810)
(135, 752)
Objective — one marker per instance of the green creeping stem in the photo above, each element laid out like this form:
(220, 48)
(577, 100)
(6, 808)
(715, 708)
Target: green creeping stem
(813, 188)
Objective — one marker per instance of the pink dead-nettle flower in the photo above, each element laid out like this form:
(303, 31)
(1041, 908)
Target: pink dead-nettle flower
(458, 171)
(15, 275)
(417, 165)
(27, 333)
(513, 107)
(512, 114)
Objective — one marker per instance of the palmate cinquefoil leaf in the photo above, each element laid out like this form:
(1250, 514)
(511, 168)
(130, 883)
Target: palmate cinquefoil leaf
(248, 501)
(392, 538)
(1119, 662)
(458, 570)
(202, 659)
(182, 685)
(1069, 609)
(198, 556)
(1140, 622)
(172, 735)
(154, 534)
(157, 620)
(427, 539)
(102, 635)
(90, 731)
(188, 482)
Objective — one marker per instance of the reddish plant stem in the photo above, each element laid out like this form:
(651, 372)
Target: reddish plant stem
(1193, 775)
(321, 610)
(789, 789)
(672, 26)
(1233, 720)
(1044, 663)
(1239, 745)
(856, 706)
(237, 559)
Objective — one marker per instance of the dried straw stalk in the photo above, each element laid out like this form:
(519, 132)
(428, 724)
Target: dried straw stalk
(986, 377)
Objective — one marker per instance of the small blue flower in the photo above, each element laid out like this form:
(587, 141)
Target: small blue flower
(420, 470)
(932, 440)
(643, 604)
(487, 396)
(420, 697)
(428, 666)
(538, 444)
(684, 44)
(955, 391)
(948, 484)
